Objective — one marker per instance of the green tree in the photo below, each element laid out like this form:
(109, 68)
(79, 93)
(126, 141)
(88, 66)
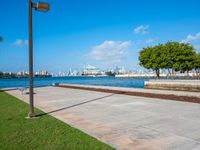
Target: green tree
(145, 56)
(185, 58)
(172, 51)
(173, 56)
(153, 58)
(196, 64)
(179, 57)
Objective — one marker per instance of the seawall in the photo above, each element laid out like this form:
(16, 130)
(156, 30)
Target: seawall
(179, 85)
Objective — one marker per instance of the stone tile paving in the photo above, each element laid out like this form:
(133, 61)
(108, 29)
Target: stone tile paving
(125, 122)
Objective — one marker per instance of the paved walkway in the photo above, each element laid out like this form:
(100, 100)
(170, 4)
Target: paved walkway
(125, 122)
(139, 90)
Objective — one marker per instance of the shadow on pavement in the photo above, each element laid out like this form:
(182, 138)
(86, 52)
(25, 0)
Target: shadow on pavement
(89, 101)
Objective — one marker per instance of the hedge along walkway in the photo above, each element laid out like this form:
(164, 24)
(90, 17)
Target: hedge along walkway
(45, 132)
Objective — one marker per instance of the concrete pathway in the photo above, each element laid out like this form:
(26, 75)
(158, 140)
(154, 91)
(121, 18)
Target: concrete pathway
(140, 90)
(125, 122)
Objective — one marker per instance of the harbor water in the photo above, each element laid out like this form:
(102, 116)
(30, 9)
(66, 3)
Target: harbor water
(97, 81)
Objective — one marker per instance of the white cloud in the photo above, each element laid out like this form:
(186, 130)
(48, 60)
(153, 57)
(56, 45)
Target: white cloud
(190, 38)
(150, 40)
(110, 51)
(142, 29)
(20, 42)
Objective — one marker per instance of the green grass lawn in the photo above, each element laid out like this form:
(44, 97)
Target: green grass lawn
(45, 132)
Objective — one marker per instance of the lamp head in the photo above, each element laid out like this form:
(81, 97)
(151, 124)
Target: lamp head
(41, 6)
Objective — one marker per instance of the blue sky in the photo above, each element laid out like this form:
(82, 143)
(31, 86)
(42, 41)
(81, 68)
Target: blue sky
(103, 33)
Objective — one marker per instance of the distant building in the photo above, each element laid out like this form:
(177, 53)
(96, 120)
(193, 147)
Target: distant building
(73, 72)
(119, 70)
(22, 73)
(41, 72)
(90, 70)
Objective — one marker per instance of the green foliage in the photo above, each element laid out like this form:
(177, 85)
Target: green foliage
(196, 64)
(172, 55)
(153, 58)
(172, 50)
(45, 132)
(145, 57)
(197, 61)
(180, 56)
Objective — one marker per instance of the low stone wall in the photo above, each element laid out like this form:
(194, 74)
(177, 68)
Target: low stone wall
(179, 85)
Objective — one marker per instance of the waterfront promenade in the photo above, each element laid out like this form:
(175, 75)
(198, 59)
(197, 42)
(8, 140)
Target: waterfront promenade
(124, 121)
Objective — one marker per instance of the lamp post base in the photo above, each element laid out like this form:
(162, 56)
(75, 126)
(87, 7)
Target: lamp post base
(31, 115)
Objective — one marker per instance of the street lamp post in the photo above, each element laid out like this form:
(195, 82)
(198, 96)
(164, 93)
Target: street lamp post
(39, 6)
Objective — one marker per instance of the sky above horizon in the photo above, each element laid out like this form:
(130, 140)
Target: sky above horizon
(102, 33)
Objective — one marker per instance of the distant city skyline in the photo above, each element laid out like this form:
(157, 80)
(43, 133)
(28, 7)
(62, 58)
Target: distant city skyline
(103, 33)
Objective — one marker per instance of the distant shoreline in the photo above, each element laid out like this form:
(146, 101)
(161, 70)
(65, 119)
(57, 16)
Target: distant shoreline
(162, 76)
(117, 77)
(13, 77)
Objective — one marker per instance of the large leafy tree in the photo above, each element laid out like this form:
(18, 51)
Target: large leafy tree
(180, 56)
(196, 64)
(173, 56)
(145, 57)
(185, 57)
(153, 58)
(171, 50)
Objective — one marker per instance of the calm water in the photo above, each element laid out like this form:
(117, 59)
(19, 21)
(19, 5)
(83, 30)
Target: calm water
(105, 81)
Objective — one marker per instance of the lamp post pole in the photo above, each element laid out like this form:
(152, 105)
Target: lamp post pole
(30, 44)
(43, 7)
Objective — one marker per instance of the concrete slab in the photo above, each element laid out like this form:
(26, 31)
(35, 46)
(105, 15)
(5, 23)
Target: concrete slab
(140, 90)
(125, 122)
(179, 85)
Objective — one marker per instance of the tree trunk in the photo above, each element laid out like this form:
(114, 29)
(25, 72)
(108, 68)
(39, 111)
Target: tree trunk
(158, 73)
(169, 72)
(187, 74)
(197, 73)
(173, 76)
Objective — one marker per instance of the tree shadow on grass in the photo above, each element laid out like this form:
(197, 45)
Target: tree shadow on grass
(82, 103)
